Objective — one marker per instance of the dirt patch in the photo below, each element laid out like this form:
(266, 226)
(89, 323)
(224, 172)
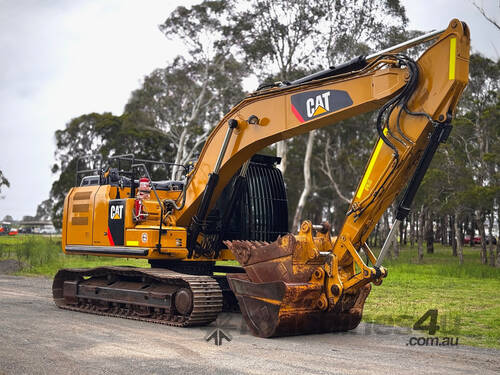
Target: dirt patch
(10, 266)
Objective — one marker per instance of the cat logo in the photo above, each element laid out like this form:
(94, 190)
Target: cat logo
(116, 212)
(320, 104)
(116, 222)
(308, 105)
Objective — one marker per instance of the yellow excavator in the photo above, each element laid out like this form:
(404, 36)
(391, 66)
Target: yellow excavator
(232, 204)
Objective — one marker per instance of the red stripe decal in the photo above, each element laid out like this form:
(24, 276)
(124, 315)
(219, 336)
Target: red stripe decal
(297, 114)
(110, 238)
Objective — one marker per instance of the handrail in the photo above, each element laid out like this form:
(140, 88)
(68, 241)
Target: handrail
(408, 44)
(158, 245)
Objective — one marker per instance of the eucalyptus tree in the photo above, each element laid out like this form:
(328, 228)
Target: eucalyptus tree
(463, 179)
(481, 115)
(185, 100)
(3, 181)
(188, 97)
(279, 37)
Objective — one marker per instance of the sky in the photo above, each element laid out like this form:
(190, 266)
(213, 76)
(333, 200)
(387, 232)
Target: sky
(61, 59)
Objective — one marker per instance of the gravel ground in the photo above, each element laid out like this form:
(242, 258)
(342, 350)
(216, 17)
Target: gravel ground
(39, 338)
(10, 266)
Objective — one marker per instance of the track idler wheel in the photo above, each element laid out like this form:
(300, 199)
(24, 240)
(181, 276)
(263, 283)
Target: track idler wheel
(183, 301)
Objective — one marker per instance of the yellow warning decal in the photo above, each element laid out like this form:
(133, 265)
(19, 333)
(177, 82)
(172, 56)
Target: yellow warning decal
(132, 243)
(453, 58)
(370, 167)
(319, 111)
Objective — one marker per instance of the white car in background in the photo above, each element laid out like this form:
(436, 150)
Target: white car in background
(49, 229)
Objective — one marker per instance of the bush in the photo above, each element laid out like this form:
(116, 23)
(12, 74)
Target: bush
(31, 251)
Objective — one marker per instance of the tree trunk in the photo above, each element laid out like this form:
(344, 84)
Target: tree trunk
(498, 239)
(458, 239)
(398, 235)
(420, 234)
(429, 233)
(396, 243)
(490, 239)
(444, 229)
(179, 152)
(281, 151)
(402, 232)
(375, 237)
(387, 229)
(307, 182)
(452, 233)
(472, 232)
(412, 229)
(479, 220)
(405, 232)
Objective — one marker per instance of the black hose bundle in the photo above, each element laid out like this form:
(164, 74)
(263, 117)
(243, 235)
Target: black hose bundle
(400, 103)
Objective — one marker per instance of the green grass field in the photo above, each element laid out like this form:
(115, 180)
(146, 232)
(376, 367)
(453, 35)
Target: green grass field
(42, 255)
(467, 297)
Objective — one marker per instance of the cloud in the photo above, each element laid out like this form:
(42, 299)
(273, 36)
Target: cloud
(62, 59)
(485, 38)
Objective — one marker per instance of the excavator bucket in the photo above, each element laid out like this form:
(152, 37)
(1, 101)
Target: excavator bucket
(278, 295)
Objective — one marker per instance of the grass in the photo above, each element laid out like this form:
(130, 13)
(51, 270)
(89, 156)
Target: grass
(42, 255)
(467, 297)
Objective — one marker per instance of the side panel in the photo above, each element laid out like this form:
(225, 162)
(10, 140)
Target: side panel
(65, 219)
(80, 212)
(116, 222)
(101, 209)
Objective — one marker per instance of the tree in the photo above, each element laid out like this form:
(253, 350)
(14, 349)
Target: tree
(340, 165)
(462, 181)
(3, 181)
(280, 39)
(187, 98)
(481, 115)
(44, 210)
(307, 182)
(486, 16)
(100, 136)
(8, 218)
